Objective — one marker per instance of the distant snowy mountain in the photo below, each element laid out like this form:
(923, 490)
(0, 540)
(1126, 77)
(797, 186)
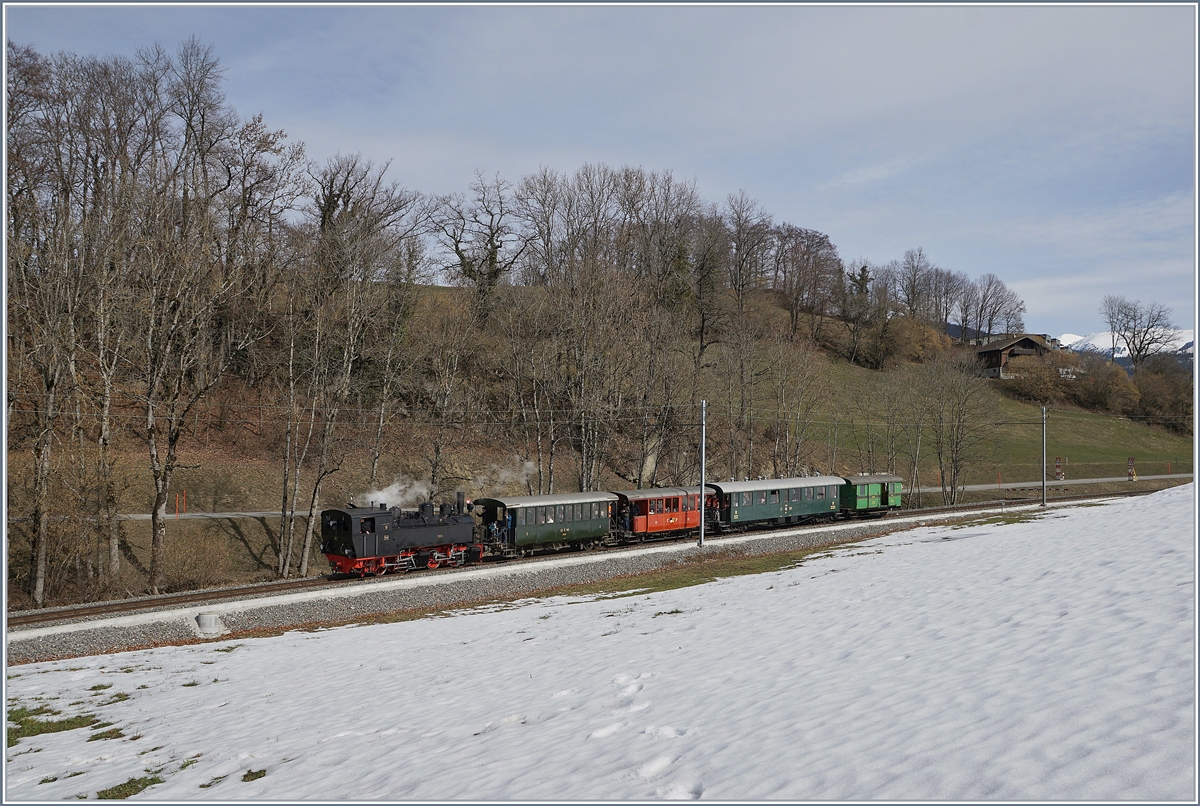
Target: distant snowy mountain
(1102, 343)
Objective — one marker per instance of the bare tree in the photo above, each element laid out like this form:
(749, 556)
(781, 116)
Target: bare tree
(1112, 308)
(967, 306)
(987, 303)
(750, 243)
(806, 266)
(946, 288)
(481, 234)
(798, 387)
(1144, 330)
(1011, 312)
(913, 281)
(358, 225)
(961, 410)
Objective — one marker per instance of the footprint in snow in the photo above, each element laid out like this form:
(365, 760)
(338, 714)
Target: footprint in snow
(634, 707)
(605, 732)
(629, 684)
(665, 732)
(566, 692)
(655, 766)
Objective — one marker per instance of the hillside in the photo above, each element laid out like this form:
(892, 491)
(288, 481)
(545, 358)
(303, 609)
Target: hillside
(231, 456)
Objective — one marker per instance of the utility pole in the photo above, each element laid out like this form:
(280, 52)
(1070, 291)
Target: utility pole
(703, 418)
(1043, 456)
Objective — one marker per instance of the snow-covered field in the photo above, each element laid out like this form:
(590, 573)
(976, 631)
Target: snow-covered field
(1052, 658)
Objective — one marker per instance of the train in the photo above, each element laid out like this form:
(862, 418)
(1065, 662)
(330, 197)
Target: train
(379, 539)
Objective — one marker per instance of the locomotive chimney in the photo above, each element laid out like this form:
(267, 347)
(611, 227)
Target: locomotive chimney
(460, 503)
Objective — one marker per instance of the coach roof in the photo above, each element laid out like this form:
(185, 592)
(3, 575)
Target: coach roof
(546, 500)
(657, 492)
(877, 478)
(774, 484)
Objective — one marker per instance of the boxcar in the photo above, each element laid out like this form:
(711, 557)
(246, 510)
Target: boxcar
(870, 494)
(648, 513)
(779, 501)
(520, 524)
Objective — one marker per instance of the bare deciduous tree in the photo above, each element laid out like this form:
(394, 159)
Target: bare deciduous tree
(482, 237)
(961, 410)
(1145, 330)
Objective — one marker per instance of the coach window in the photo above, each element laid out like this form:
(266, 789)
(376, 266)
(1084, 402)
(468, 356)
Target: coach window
(761, 495)
(820, 493)
(746, 499)
(520, 517)
(774, 496)
(541, 515)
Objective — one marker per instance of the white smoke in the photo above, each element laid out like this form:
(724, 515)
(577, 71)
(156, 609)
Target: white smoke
(406, 492)
(496, 480)
(505, 476)
(403, 492)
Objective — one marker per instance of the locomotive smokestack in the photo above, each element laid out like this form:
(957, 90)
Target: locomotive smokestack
(460, 503)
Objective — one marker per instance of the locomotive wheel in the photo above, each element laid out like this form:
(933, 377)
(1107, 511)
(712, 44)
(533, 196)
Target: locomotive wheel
(432, 563)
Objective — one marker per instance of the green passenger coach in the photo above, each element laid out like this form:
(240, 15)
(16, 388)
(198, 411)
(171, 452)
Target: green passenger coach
(780, 501)
(523, 523)
(867, 494)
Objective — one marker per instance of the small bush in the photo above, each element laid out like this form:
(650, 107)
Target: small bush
(253, 775)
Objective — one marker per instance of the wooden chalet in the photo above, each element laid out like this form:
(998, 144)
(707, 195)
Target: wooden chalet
(996, 355)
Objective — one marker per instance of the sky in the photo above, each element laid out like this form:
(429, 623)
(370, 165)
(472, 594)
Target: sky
(1053, 146)
(1049, 657)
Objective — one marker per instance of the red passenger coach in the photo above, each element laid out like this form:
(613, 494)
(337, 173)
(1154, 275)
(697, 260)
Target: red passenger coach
(659, 511)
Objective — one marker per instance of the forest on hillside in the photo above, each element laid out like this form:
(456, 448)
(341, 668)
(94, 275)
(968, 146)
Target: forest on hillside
(178, 274)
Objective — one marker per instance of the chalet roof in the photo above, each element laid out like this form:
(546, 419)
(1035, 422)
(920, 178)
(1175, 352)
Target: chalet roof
(1035, 342)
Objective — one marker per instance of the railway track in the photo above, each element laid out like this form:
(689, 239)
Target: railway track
(126, 606)
(171, 600)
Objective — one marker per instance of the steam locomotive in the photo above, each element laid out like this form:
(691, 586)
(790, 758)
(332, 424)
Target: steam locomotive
(379, 540)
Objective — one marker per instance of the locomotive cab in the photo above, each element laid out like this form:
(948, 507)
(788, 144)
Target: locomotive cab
(336, 533)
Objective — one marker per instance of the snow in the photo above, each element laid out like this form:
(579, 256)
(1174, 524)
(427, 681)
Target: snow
(1183, 342)
(1048, 657)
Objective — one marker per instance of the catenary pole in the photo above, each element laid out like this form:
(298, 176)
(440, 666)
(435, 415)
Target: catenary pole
(703, 417)
(1043, 456)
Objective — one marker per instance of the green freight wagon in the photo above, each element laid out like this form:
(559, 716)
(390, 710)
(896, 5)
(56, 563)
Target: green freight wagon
(870, 494)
